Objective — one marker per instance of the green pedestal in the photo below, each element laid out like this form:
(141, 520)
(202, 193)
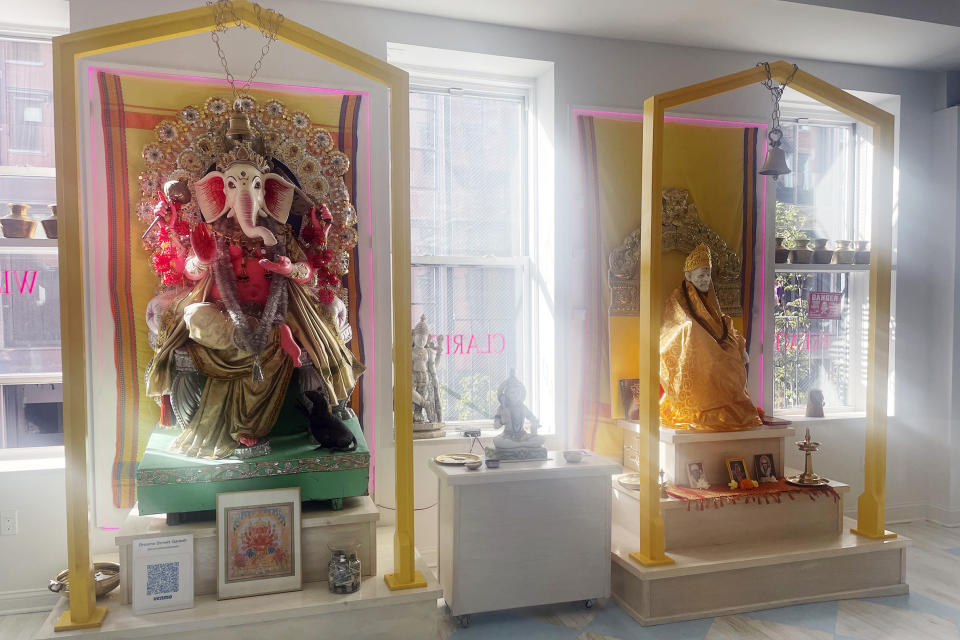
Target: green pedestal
(171, 483)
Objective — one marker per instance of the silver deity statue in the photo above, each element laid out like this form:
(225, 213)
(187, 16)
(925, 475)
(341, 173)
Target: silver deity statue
(426, 386)
(516, 443)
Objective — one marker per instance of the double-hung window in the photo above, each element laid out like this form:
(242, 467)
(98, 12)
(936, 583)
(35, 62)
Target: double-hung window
(31, 401)
(820, 310)
(470, 233)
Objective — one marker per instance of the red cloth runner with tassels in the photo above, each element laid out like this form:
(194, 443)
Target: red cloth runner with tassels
(718, 494)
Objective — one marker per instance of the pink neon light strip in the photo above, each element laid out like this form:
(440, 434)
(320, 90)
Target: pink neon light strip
(621, 115)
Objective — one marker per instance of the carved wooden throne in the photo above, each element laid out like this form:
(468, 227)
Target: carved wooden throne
(682, 230)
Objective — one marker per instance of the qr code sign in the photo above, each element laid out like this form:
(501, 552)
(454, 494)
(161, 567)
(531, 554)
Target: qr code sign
(163, 577)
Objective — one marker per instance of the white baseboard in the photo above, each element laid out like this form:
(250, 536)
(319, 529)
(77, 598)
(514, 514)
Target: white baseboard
(430, 555)
(27, 601)
(906, 513)
(900, 513)
(943, 516)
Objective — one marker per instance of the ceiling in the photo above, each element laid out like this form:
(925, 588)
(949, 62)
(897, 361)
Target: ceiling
(916, 34)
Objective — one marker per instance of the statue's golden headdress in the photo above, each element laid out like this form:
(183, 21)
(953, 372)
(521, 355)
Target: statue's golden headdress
(699, 257)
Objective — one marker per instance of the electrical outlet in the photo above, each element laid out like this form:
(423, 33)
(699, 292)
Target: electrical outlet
(8, 523)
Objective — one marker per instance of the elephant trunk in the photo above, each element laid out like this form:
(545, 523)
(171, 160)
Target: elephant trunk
(246, 209)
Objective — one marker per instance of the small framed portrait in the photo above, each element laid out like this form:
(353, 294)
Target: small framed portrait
(696, 476)
(764, 467)
(737, 468)
(258, 542)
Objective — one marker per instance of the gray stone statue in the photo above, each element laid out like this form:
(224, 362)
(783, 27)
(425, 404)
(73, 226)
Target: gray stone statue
(426, 386)
(515, 443)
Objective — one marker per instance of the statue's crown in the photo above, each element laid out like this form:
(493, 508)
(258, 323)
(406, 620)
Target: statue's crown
(242, 153)
(699, 257)
(421, 327)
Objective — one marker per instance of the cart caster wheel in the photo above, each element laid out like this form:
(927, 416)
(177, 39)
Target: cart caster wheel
(588, 604)
(336, 504)
(463, 621)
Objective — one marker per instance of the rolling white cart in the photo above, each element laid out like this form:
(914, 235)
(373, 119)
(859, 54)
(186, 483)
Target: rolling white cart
(525, 534)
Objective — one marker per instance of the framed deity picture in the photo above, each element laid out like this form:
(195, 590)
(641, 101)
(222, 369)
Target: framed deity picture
(696, 476)
(737, 468)
(764, 466)
(258, 542)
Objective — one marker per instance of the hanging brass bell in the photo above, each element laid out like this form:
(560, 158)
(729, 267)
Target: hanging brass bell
(776, 163)
(239, 127)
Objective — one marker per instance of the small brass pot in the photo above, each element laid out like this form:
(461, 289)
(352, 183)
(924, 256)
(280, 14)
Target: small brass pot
(801, 254)
(863, 252)
(50, 224)
(781, 254)
(18, 224)
(844, 253)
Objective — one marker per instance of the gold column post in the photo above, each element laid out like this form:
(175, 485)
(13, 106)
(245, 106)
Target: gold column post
(68, 50)
(83, 612)
(652, 543)
(871, 505)
(404, 575)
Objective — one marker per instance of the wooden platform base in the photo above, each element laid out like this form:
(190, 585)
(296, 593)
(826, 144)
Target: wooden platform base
(756, 574)
(374, 612)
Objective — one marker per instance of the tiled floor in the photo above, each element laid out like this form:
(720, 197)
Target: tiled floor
(930, 612)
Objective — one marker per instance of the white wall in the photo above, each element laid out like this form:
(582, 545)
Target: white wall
(593, 72)
(34, 488)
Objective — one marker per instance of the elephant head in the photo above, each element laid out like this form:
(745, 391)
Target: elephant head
(242, 191)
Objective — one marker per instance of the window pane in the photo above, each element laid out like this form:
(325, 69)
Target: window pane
(33, 415)
(819, 353)
(816, 198)
(29, 314)
(26, 103)
(474, 313)
(819, 190)
(466, 174)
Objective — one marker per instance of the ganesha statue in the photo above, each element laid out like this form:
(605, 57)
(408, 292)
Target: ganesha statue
(252, 303)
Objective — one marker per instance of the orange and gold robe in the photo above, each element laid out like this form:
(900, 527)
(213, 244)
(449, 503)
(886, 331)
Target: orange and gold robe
(701, 370)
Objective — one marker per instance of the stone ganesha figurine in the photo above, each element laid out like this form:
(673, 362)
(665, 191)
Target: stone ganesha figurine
(227, 346)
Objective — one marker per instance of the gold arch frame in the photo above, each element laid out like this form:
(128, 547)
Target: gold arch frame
(871, 503)
(68, 50)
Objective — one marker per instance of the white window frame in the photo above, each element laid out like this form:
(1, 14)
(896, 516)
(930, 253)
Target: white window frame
(532, 81)
(861, 185)
(26, 246)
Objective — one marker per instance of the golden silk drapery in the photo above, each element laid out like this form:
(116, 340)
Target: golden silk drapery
(701, 371)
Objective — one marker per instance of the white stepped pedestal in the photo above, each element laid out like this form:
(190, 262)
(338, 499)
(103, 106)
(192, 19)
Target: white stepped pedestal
(755, 573)
(374, 612)
(687, 526)
(678, 448)
(356, 521)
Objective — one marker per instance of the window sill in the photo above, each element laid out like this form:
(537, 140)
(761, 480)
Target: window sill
(832, 418)
(31, 459)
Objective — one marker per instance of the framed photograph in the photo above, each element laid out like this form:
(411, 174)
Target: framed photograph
(764, 467)
(258, 542)
(630, 409)
(737, 468)
(162, 574)
(696, 476)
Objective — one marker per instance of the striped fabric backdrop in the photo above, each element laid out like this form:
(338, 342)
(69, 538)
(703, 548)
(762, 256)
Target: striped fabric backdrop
(610, 149)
